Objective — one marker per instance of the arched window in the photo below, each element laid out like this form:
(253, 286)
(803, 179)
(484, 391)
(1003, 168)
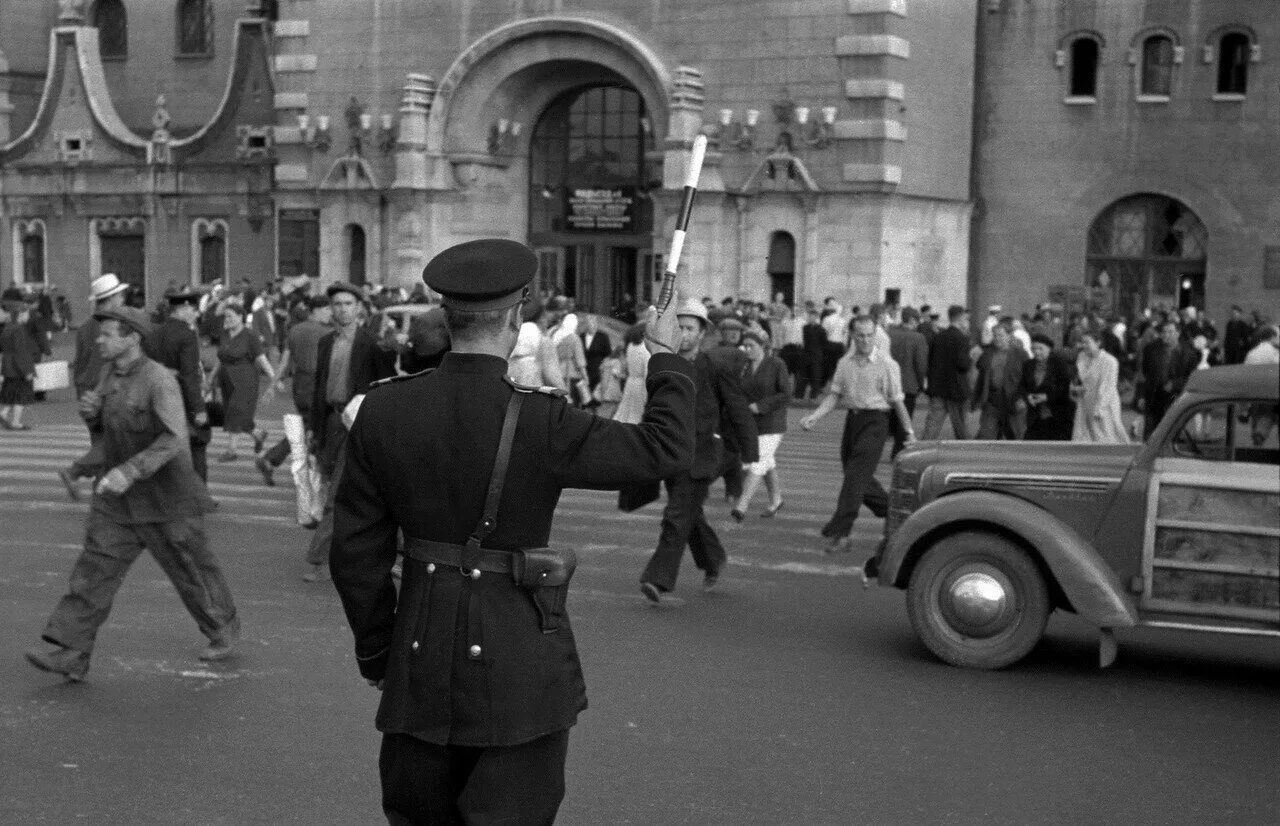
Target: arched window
(1084, 67)
(208, 251)
(195, 27)
(29, 251)
(1143, 250)
(355, 254)
(1233, 63)
(1157, 66)
(113, 29)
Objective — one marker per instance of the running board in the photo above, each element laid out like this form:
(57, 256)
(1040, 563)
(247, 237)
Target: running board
(1212, 629)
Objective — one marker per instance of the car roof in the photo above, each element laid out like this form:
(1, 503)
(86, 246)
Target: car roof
(1252, 380)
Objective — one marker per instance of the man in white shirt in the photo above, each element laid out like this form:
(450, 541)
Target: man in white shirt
(990, 322)
(1266, 351)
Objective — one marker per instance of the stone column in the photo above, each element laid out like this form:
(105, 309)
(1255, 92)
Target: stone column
(410, 220)
(6, 108)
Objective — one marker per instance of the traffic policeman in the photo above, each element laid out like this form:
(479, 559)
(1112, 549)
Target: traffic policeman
(476, 657)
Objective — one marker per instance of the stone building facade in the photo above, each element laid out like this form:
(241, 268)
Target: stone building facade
(839, 128)
(1127, 154)
(169, 182)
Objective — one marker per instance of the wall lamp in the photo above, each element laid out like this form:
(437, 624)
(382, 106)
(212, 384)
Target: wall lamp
(316, 136)
(502, 136)
(816, 134)
(739, 135)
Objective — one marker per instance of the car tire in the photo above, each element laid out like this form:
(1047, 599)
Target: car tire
(977, 600)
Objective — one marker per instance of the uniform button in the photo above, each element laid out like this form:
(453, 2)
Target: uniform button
(475, 651)
(475, 573)
(414, 646)
(431, 567)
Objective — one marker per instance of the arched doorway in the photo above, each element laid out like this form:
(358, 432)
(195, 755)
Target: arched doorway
(1145, 250)
(782, 266)
(589, 215)
(355, 254)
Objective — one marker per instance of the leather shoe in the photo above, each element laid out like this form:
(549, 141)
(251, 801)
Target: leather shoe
(737, 515)
(768, 512)
(711, 578)
(264, 467)
(839, 545)
(224, 645)
(651, 592)
(68, 662)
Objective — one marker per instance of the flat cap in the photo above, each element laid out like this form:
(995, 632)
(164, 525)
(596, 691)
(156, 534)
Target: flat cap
(483, 275)
(183, 297)
(730, 323)
(130, 317)
(343, 287)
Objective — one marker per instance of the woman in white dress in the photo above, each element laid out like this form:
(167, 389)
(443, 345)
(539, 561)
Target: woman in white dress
(533, 361)
(636, 362)
(1098, 406)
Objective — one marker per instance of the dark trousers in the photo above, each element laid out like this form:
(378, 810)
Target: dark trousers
(899, 432)
(110, 549)
(814, 371)
(731, 472)
(939, 411)
(865, 432)
(684, 523)
(200, 455)
(424, 783)
(1153, 410)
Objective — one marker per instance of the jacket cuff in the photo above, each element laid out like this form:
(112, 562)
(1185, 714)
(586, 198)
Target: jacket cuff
(374, 667)
(669, 363)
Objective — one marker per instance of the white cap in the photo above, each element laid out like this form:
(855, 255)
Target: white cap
(105, 286)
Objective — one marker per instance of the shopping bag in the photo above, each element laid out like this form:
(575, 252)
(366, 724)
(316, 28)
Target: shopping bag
(51, 375)
(306, 476)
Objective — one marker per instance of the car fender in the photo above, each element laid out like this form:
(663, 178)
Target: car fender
(1091, 586)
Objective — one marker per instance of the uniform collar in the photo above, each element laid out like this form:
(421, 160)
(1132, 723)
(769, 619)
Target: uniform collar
(481, 363)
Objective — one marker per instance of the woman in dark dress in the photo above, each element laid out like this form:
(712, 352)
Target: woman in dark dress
(767, 385)
(241, 358)
(1046, 386)
(19, 352)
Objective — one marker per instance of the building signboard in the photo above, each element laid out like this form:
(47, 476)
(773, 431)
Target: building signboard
(600, 209)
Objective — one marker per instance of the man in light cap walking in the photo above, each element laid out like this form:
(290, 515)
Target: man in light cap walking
(107, 293)
(474, 654)
(149, 496)
(720, 401)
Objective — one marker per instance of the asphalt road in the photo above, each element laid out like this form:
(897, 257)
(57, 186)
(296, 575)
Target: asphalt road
(790, 695)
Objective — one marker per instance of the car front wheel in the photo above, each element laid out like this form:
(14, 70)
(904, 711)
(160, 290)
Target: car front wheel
(978, 600)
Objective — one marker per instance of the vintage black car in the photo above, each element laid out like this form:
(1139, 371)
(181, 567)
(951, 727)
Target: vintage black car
(1182, 532)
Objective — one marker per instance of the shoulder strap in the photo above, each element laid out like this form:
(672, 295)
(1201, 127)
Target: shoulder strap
(493, 498)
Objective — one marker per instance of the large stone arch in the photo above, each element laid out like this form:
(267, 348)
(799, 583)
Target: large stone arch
(514, 71)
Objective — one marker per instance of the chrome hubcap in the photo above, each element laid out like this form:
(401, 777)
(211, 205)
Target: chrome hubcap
(977, 604)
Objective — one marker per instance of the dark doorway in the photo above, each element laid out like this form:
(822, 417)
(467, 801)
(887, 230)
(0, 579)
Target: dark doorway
(125, 255)
(298, 252)
(782, 266)
(355, 254)
(589, 212)
(33, 258)
(1140, 249)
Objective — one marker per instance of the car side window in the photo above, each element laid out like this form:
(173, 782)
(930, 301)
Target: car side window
(1225, 432)
(1256, 437)
(1203, 434)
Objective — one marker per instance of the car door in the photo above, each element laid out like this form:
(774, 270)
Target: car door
(1212, 539)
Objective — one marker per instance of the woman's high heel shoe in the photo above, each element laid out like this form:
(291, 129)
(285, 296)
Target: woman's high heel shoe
(771, 510)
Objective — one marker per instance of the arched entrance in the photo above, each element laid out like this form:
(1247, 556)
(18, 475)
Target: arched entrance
(1145, 250)
(590, 217)
(355, 239)
(782, 266)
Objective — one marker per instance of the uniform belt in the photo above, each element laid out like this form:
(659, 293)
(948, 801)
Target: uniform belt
(447, 553)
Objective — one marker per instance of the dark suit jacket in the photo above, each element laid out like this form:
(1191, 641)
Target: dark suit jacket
(597, 351)
(1005, 389)
(176, 346)
(419, 458)
(770, 389)
(911, 350)
(1164, 365)
(368, 364)
(721, 411)
(1056, 385)
(949, 365)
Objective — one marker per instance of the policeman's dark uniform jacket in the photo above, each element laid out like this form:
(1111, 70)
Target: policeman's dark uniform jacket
(469, 656)
(176, 345)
